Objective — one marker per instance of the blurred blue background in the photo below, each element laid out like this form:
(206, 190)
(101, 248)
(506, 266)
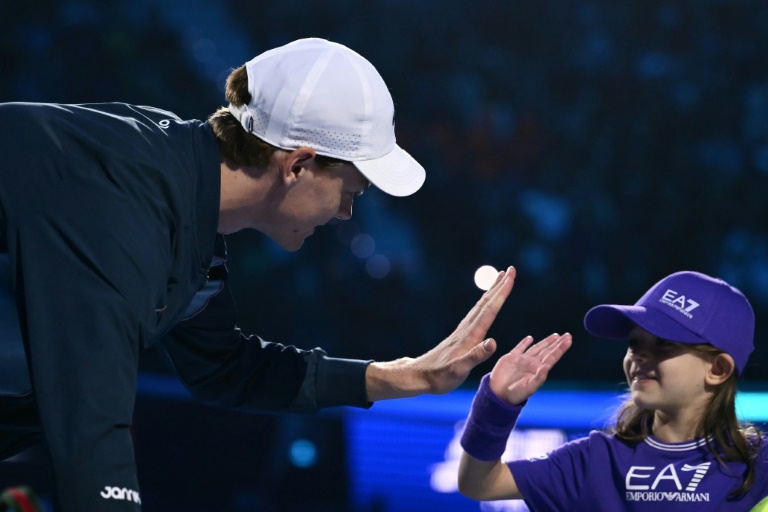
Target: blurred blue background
(597, 146)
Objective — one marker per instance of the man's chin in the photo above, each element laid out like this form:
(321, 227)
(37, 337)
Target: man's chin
(292, 245)
(294, 248)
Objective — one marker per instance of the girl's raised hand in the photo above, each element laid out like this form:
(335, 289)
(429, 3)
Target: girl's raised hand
(519, 373)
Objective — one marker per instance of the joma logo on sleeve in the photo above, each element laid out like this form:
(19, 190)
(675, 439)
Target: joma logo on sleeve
(120, 493)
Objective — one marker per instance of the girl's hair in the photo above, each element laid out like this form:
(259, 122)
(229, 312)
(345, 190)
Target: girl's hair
(237, 145)
(726, 438)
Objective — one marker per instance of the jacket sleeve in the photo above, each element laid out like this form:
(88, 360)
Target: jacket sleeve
(219, 364)
(84, 309)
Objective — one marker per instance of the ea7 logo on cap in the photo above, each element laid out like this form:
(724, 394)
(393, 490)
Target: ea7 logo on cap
(679, 302)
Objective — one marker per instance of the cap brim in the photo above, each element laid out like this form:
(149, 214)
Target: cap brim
(615, 322)
(397, 173)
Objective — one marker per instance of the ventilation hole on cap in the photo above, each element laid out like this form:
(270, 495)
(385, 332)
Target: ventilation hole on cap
(338, 143)
(261, 121)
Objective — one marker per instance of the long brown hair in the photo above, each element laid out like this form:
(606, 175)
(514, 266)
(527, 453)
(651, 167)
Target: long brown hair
(726, 438)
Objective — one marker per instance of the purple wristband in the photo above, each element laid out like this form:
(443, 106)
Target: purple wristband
(490, 422)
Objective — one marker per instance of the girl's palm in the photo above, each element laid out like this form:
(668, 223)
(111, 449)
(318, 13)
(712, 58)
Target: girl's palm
(519, 373)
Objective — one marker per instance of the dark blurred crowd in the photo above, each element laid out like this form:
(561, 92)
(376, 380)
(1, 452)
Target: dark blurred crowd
(597, 146)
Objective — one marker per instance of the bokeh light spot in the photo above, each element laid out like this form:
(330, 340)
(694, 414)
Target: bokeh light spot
(485, 277)
(303, 453)
(363, 246)
(378, 266)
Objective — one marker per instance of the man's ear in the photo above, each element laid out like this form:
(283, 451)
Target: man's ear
(292, 166)
(722, 368)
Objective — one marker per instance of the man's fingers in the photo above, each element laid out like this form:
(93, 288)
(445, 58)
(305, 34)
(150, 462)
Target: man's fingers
(484, 313)
(500, 289)
(476, 355)
(472, 313)
(496, 281)
(509, 273)
(484, 299)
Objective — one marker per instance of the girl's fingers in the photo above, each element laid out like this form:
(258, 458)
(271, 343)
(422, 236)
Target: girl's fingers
(522, 346)
(543, 345)
(556, 351)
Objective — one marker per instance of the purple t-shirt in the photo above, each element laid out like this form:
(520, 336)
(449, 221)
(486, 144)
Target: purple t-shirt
(602, 473)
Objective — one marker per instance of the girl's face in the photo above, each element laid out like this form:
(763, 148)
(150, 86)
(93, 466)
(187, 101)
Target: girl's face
(665, 376)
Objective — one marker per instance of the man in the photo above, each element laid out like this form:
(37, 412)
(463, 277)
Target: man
(112, 219)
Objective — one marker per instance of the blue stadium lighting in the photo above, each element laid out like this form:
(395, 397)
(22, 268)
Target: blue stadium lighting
(548, 408)
(752, 406)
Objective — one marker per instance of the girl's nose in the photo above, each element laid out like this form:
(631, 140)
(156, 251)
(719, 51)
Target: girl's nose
(639, 354)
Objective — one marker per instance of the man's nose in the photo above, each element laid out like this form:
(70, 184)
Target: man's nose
(345, 211)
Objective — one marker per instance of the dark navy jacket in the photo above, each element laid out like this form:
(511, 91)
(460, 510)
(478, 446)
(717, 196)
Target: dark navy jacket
(108, 217)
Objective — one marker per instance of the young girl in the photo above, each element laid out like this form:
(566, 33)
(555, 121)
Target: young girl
(676, 444)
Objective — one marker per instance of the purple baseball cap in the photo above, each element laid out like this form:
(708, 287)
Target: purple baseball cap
(686, 307)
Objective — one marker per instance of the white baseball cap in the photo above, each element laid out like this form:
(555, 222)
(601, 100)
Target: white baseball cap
(319, 94)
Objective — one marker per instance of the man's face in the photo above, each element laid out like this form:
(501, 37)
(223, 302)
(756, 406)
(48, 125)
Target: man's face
(319, 196)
